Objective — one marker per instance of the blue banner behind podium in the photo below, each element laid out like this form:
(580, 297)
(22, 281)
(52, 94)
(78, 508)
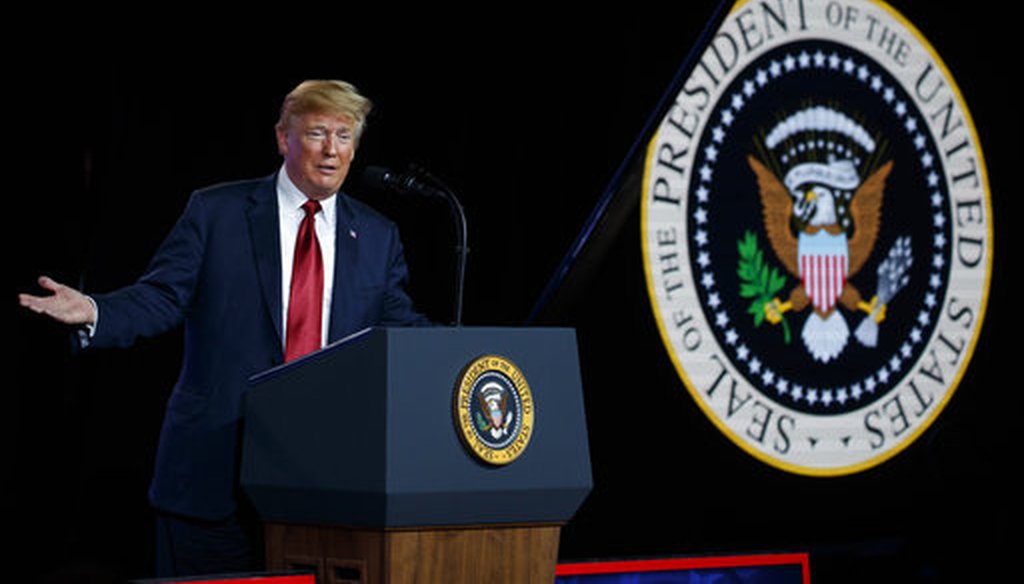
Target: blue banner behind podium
(365, 432)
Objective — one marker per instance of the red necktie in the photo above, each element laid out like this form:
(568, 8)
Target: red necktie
(306, 300)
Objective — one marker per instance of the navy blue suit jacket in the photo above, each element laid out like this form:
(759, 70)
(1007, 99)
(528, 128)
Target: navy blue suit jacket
(219, 272)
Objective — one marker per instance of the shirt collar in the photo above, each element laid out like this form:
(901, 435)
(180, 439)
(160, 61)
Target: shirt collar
(290, 198)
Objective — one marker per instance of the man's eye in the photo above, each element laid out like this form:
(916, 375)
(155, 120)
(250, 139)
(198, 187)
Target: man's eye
(316, 134)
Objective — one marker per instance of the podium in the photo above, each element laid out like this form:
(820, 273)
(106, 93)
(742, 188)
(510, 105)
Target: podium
(360, 458)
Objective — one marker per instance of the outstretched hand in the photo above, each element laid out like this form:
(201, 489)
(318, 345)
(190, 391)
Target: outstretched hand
(65, 305)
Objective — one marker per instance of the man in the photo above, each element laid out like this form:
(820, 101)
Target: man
(260, 272)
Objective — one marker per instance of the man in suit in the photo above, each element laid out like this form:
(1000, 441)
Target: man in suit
(260, 272)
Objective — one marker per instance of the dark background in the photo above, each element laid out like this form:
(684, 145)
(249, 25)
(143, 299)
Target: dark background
(527, 116)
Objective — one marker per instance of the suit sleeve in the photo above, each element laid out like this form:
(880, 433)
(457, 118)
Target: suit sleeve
(398, 306)
(158, 301)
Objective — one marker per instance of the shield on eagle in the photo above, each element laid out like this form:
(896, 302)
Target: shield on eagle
(823, 260)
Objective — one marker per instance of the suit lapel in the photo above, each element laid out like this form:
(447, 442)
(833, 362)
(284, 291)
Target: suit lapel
(346, 252)
(265, 233)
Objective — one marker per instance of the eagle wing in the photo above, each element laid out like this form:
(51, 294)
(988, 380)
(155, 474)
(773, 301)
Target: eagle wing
(866, 209)
(777, 206)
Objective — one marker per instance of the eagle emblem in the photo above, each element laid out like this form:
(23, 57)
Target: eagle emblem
(821, 178)
(494, 418)
(493, 409)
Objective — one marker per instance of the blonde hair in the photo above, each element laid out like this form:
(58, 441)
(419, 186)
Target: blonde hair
(325, 97)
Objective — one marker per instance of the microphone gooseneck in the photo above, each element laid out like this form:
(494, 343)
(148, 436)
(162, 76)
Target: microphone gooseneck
(419, 182)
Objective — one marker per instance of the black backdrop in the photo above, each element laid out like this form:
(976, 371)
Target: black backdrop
(527, 116)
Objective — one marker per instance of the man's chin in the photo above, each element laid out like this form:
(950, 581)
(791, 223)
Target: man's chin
(322, 189)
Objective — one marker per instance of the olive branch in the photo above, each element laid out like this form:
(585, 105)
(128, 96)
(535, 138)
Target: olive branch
(481, 423)
(758, 281)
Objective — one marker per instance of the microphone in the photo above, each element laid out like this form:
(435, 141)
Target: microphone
(400, 183)
(412, 183)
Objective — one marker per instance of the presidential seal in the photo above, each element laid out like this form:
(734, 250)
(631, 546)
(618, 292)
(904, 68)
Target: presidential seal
(816, 230)
(494, 410)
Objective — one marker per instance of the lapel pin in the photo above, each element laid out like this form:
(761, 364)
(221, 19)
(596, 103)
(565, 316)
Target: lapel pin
(352, 233)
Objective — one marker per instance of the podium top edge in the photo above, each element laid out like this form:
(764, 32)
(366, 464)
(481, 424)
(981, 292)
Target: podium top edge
(390, 331)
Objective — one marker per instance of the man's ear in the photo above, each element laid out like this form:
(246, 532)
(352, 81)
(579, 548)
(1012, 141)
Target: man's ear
(282, 140)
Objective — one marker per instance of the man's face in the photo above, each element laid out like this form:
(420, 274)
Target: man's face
(318, 150)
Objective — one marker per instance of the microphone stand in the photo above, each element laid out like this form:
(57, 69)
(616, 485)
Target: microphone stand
(461, 238)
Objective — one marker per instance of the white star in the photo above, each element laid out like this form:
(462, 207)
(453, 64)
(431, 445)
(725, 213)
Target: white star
(933, 179)
(934, 281)
(782, 386)
(708, 280)
(888, 95)
(923, 318)
(936, 199)
(755, 366)
(718, 134)
(742, 352)
(703, 259)
(711, 152)
(768, 377)
(833, 61)
(702, 194)
(737, 101)
(876, 83)
(805, 60)
(863, 73)
(905, 350)
(841, 395)
(938, 261)
(700, 215)
(940, 241)
(714, 300)
(826, 397)
(721, 319)
(870, 384)
(775, 69)
(926, 160)
(748, 88)
(915, 335)
(939, 219)
(856, 391)
(727, 117)
(910, 125)
(797, 392)
(701, 237)
(731, 337)
(894, 363)
(812, 396)
(789, 63)
(883, 375)
(819, 59)
(849, 66)
(919, 141)
(705, 173)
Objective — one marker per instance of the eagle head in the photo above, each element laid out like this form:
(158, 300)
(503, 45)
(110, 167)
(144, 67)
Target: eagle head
(821, 193)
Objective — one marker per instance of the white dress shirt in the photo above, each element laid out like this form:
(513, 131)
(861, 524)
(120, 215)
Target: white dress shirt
(290, 215)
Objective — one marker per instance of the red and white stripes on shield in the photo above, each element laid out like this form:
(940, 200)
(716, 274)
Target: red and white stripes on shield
(823, 277)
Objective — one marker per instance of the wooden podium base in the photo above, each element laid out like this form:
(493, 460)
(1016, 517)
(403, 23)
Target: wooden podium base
(515, 554)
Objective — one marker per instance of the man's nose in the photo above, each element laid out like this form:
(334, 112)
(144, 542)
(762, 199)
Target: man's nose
(330, 145)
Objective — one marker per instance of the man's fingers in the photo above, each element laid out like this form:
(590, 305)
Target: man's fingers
(39, 303)
(64, 304)
(30, 302)
(50, 284)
